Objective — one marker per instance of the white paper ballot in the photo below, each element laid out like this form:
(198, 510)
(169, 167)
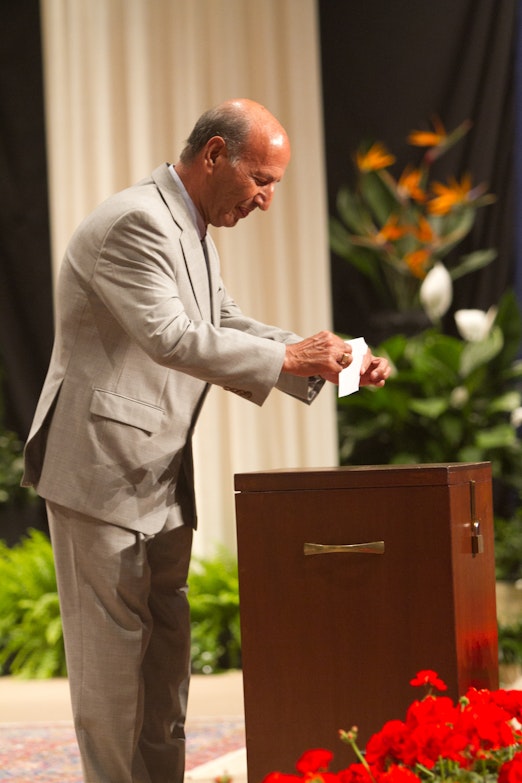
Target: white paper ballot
(349, 378)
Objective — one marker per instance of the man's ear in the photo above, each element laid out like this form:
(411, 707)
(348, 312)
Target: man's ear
(215, 148)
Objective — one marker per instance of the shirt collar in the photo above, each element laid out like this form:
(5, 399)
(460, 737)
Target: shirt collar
(196, 217)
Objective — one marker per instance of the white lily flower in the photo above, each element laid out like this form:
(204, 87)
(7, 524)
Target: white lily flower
(436, 292)
(516, 418)
(459, 397)
(475, 325)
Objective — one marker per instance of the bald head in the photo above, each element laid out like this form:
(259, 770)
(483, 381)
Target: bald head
(236, 121)
(232, 161)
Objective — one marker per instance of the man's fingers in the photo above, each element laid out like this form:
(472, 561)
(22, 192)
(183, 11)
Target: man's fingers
(322, 354)
(326, 354)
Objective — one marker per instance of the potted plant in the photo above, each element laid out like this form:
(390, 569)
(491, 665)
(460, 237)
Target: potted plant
(449, 399)
(477, 738)
(399, 231)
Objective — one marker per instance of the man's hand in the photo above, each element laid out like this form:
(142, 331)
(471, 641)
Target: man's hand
(326, 354)
(375, 370)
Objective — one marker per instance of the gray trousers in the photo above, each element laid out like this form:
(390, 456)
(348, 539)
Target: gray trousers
(126, 622)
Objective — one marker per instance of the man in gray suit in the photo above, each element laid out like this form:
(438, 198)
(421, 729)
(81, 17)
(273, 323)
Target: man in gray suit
(144, 326)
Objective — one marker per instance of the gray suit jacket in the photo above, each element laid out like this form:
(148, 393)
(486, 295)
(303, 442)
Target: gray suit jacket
(139, 337)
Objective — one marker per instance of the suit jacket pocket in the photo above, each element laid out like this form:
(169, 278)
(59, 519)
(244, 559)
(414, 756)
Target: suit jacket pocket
(111, 405)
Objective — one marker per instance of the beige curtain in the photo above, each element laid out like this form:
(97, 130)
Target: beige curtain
(124, 81)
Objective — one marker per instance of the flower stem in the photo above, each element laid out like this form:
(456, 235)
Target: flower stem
(350, 738)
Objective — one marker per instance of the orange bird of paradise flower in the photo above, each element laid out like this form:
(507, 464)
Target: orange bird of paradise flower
(377, 157)
(417, 262)
(450, 195)
(424, 231)
(391, 231)
(433, 138)
(409, 184)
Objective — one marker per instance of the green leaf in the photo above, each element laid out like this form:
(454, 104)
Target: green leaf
(472, 262)
(513, 372)
(452, 228)
(510, 322)
(361, 257)
(496, 437)
(54, 632)
(479, 354)
(505, 403)
(352, 212)
(377, 195)
(431, 408)
(451, 428)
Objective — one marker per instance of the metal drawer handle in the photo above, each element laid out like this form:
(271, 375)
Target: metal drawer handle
(371, 548)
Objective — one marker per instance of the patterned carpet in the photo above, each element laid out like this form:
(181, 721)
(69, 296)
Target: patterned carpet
(47, 753)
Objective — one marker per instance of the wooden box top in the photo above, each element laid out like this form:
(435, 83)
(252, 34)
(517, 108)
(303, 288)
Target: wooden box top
(362, 476)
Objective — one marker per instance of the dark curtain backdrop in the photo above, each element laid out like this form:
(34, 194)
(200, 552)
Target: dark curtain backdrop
(25, 268)
(518, 152)
(388, 67)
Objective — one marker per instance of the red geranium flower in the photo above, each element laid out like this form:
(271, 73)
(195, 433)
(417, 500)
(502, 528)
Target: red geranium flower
(317, 760)
(430, 678)
(429, 742)
(386, 746)
(439, 740)
(486, 725)
(511, 771)
(399, 774)
(431, 710)
(313, 766)
(355, 773)
(281, 777)
(510, 701)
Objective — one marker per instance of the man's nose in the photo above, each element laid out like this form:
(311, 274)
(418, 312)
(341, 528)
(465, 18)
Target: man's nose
(264, 196)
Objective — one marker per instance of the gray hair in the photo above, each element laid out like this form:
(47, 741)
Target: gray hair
(228, 121)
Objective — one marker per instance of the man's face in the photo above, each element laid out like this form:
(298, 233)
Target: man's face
(237, 189)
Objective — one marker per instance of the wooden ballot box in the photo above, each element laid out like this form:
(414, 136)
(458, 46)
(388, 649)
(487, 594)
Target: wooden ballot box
(351, 580)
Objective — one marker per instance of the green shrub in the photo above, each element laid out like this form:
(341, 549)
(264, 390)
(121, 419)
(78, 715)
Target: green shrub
(214, 602)
(448, 401)
(508, 547)
(510, 643)
(11, 458)
(11, 469)
(31, 640)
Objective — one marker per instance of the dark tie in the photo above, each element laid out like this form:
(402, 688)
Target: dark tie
(205, 253)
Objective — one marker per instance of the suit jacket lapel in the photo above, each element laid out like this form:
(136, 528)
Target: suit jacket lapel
(196, 265)
(190, 243)
(214, 279)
